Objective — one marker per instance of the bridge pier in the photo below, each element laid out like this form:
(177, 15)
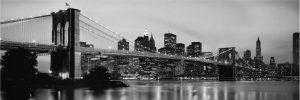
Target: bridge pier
(227, 73)
(179, 67)
(66, 62)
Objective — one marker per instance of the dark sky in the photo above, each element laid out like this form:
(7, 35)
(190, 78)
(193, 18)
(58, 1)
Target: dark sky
(215, 23)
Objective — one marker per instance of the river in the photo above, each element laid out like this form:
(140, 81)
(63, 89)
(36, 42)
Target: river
(179, 90)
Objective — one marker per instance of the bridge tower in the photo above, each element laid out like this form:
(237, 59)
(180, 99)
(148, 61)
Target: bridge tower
(66, 60)
(227, 70)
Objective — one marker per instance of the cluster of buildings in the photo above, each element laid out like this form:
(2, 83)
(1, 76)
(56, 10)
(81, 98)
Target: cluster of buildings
(282, 69)
(171, 47)
(151, 67)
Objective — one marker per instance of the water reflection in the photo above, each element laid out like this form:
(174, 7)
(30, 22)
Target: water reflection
(174, 90)
(17, 94)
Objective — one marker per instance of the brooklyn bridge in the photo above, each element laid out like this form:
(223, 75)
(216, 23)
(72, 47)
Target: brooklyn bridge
(68, 30)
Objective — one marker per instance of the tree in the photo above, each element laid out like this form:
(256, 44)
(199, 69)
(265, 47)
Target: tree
(98, 73)
(18, 64)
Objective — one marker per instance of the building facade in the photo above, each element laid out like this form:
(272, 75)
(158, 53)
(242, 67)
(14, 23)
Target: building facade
(180, 49)
(258, 59)
(284, 69)
(258, 50)
(194, 49)
(272, 66)
(296, 54)
(123, 45)
(169, 44)
(169, 40)
(247, 57)
(144, 44)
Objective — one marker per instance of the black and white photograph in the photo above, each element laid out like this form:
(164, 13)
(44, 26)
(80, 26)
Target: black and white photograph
(149, 49)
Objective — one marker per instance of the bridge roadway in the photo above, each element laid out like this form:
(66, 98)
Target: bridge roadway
(48, 48)
(44, 49)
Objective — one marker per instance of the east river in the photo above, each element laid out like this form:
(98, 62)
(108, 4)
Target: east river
(179, 90)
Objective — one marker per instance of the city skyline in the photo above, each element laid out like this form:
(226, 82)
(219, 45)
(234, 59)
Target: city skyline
(149, 49)
(202, 21)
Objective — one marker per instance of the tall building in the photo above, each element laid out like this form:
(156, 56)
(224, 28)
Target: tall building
(247, 58)
(296, 48)
(152, 43)
(123, 45)
(139, 44)
(143, 43)
(169, 44)
(170, 40)
(194, 50)
(197, 48)
(258, 50)
(272, 61)
(296, 54)
(189, 51)
(258, 59)
(272, 65)
(247, 54)
(180, 49)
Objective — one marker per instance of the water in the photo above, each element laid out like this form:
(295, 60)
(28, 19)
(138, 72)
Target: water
(179, 90)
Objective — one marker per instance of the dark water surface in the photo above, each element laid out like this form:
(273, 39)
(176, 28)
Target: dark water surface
(178, 90)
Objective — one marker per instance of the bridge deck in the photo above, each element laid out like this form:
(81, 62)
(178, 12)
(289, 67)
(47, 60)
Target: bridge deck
(47, 48)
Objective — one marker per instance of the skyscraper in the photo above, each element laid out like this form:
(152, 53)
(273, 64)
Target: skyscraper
(272, 66)
(180, 47)
(247, 57)
(169, 44)
(152, 43)
(258, 50)
(170, 40)
(247, 54)
(143, 43)
(189, 51)
(296, 48)
(194, 50)
(258, 59)
(123, 45)
(139, 44)
(197, 48)
(272, 61)
(295, 68)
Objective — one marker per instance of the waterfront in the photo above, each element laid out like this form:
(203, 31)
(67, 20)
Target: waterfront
(178, 90)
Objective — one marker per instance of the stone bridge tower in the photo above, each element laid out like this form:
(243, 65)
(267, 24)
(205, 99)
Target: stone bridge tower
(65, 61)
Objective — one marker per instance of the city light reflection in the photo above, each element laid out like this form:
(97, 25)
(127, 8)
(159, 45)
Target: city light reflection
(154, 90)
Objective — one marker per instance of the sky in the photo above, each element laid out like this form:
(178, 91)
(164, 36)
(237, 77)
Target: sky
(215, 23)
